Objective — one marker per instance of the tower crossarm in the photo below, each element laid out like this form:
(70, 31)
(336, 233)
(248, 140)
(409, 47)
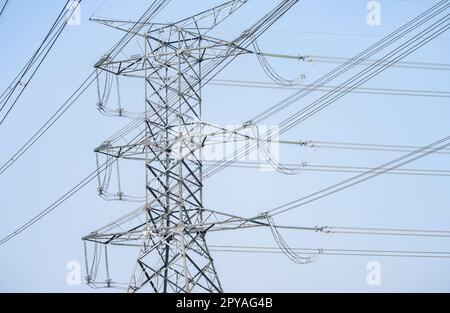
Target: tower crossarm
(202, 22)
(132, 227)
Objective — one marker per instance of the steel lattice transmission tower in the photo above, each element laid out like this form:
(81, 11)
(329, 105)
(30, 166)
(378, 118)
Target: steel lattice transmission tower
(170, 229)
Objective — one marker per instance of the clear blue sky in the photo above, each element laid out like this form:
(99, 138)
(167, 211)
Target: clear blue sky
(36, 260)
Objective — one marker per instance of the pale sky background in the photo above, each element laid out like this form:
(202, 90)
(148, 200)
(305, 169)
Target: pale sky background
(36, 260)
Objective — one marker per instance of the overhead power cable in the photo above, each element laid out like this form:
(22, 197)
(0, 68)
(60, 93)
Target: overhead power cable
(96, 171)
(308, 58)
(50, 122)
(332, 34)
(388, 232)
(397, 54)
(404, 64)
(385, 231)
(270, 71)
(392, 165)
(12, 94)
(326, 88)
(339, 168)
(3, 7)
(337, 145)
(333, 252)
(432, 148)
(364, 55)
(156, 6)
(290, 253)
(358, 146)
(256, 31)
(152, 11)
(66, 196)
(282, 105)
(341, 60)
(57, 203)
(426, 36)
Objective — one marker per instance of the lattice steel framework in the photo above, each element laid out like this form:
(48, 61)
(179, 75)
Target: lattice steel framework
(170, 229)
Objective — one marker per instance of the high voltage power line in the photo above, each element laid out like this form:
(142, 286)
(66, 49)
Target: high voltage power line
(371, 91)
(3, 7)
(334, 252)
(406, 65)
(357, 58)
(319, 87)
(50, 122)
(390, 166)
(179, 59)
(339, 168)
(443, 143)
(341, 60)
(350, 85)
(12, 94)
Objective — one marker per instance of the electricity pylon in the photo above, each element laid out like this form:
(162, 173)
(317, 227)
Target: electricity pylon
(177, 60)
